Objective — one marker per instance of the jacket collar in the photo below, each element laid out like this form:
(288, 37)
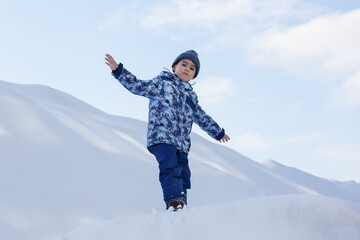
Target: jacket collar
(172, 77)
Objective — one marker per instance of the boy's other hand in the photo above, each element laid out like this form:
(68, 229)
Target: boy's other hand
(225, 138)
(111, 62)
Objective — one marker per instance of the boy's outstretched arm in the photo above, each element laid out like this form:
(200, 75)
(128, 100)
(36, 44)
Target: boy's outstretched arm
(147, 88)
(207, 124)
(110, 61)
(225, 138)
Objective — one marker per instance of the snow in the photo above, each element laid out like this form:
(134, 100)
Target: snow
(65, 164)
(295, 217)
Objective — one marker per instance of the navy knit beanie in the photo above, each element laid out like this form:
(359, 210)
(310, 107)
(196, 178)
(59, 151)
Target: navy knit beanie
(191, 55)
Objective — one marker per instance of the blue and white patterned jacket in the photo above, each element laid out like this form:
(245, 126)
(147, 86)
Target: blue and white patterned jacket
(173, 108)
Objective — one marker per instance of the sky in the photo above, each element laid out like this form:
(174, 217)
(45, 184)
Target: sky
(281, 77)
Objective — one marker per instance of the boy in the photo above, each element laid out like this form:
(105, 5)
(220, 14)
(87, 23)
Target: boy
(173, 108)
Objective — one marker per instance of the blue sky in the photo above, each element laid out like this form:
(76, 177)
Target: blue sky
(282, 77)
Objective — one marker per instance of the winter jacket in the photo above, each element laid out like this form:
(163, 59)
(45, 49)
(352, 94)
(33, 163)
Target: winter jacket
(173, 108)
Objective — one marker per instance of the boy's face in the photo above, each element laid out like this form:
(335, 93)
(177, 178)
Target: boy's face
(185, 70)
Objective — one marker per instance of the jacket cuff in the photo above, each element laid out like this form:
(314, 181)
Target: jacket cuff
(116, 73)
(221, 135)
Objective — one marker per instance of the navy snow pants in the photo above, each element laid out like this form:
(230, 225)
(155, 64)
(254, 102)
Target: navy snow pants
(174, 171)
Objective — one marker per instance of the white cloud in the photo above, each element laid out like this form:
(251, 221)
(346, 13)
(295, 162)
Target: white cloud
(257, 103)
(295, 105)
(326, 48)
(113, 21)
(3, 131)
(329, 44)
(251, 142)
(345, 153)
(195, 13)
(256, 143)
(348, 94)
(224, 21)
(302, 138)
(214, 90)
(211, 14)
(128, 13)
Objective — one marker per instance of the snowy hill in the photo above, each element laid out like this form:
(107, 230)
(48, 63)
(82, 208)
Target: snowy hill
(320, 185)
(65, 163)
(294, 217)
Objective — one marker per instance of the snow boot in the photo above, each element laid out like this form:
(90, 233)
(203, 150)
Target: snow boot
(177, 203)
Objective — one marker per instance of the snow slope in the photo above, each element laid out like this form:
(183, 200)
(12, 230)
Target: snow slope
(286, 217)
(319, 185)
(65, 163)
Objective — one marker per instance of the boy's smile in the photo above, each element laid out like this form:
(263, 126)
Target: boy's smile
(185, 70)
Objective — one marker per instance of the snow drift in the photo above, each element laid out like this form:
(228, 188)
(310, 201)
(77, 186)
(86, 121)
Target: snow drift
(64, 163)
(295, 217)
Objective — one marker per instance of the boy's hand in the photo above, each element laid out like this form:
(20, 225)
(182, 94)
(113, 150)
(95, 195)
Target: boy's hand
(225, 138)
(111, 62)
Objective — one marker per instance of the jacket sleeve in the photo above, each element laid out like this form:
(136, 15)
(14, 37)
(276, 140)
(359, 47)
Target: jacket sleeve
(145, 88)
(207, 124)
